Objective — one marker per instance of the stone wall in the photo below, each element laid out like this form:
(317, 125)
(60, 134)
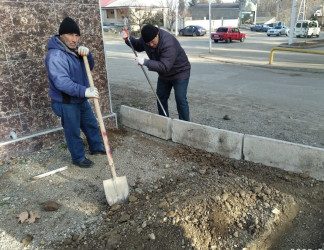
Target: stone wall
(25, 28)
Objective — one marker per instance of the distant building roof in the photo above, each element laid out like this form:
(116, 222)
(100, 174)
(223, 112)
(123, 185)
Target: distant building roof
(130, 3)
(104, 3)
(219, 5)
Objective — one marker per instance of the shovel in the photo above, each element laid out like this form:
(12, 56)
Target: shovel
(116, 189)
(148, 79)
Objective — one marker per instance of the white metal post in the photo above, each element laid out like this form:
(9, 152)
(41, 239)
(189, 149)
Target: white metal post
(292, 22)
(176, 19)
(210, 26)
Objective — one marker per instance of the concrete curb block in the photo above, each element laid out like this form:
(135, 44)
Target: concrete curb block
(146, 122)
(285, 155)
(270, 152)
(226, 143)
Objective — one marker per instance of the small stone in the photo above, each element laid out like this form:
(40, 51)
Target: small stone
(167, 166)
(224, 196)
(151, 236)
(27, 239)
(275, 211)
(202, 171)
(50, 206)
(236, 235)
(172, 214)
(163, 205)
(125, 217)
(115, 207)
(227, 117)
(132, 198)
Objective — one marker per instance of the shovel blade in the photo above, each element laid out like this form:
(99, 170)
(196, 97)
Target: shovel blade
(116, 190)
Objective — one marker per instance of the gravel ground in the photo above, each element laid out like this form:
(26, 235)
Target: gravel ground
(180, 198)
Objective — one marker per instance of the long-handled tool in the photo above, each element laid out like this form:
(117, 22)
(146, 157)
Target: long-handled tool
(148, 79)
(116, 189)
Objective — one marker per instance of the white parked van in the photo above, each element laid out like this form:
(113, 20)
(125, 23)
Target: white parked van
(306, 28)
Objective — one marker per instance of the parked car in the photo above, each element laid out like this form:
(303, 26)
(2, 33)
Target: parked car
(255, 27)
(264, 28)
(192, 30)
(307, 28)
(260, 28)
(278, 31)
(228, 34)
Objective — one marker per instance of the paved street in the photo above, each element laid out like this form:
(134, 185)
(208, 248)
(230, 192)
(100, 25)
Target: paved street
(282, 101)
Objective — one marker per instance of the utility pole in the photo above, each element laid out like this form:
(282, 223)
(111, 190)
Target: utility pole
(302, 10)
(176, 18)
(210, 1)
(292, 22)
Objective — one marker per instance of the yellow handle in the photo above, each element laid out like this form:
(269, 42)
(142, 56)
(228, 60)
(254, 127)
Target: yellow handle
(101, 123)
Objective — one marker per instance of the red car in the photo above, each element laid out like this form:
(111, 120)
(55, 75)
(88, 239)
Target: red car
(228, 34)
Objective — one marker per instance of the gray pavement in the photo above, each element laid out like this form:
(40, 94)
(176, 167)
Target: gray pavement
(280, 101)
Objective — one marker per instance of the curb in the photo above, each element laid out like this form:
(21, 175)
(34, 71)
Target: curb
(288, 156)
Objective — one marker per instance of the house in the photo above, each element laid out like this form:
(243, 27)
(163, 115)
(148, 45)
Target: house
(229, 14)
(113, 12)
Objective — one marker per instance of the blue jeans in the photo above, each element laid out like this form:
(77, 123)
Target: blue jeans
(73, 118)
(163, 91)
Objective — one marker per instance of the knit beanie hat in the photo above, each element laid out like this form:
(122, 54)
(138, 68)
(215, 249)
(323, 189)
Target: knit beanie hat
(69, 26)
(149, 32)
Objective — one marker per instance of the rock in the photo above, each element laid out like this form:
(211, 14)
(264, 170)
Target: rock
(167, 166)
(139, 190)
(124, 217)
(242, 193)
(27, 239)
(236, 234)
(50, 206)
(132, 198)
(115, 207)
(113, 239)
(172, 214)
(151, 236)
(275, 211)
(163, 205)
(224, 196)
(227, 117)
(202, 171)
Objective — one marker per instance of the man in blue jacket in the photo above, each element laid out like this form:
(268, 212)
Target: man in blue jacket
(69, 90)
(169, 60)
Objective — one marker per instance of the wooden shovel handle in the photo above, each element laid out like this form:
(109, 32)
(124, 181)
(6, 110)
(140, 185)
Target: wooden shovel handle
(101, 123)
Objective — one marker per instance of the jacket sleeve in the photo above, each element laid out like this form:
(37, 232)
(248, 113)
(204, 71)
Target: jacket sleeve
(58, 73)
(168, 55)
(137, 43)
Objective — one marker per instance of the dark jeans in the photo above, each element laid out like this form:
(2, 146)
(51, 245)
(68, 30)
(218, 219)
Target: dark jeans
(73, 118)
(163, 91)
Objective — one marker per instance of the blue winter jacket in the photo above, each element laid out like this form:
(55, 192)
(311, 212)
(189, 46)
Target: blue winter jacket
(66, 73)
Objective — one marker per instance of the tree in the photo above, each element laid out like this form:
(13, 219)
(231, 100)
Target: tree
(141, 15)
(193, 3)
(172, 11)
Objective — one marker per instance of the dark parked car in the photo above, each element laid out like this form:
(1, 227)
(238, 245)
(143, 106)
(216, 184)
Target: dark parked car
(192, 30)
(264, 28)
(260, 28)
(255, 28)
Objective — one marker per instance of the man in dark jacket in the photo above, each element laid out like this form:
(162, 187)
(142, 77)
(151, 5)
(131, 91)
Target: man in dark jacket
(69, 90)
(169, 60)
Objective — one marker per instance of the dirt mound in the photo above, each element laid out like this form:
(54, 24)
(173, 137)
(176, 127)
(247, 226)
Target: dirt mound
(181, 198)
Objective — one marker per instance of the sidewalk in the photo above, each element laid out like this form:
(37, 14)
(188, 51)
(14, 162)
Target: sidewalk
(278, 61)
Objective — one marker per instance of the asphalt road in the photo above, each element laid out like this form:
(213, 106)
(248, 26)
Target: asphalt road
(284, 101)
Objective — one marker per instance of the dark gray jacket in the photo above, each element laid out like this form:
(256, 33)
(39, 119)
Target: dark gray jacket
(169, 59)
